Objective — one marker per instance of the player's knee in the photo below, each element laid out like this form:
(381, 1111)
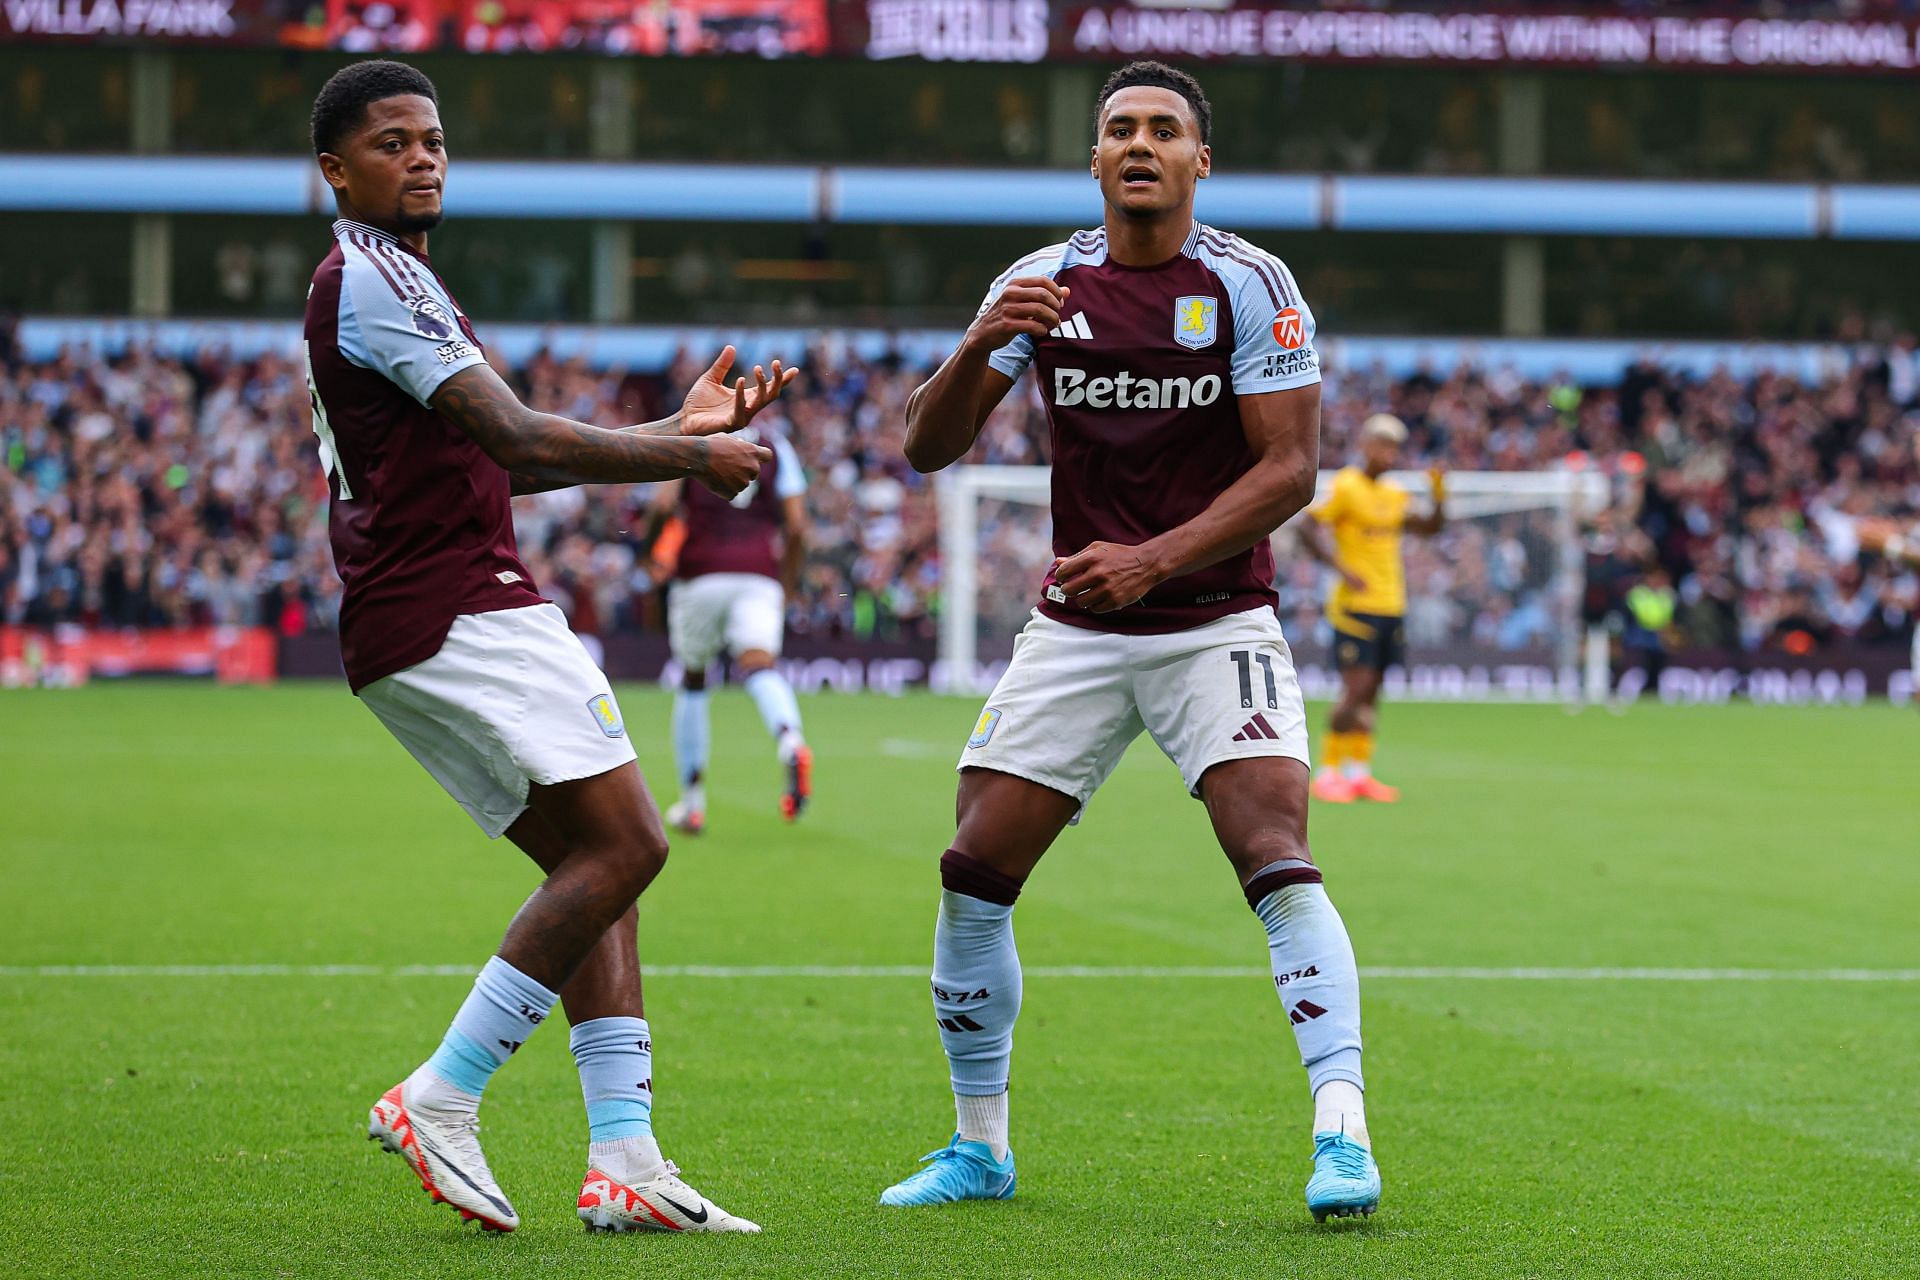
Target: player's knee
(1273, 867)
(633, 863)
(754, 661)
(980, 878)
(693, 681)
(1269, 847)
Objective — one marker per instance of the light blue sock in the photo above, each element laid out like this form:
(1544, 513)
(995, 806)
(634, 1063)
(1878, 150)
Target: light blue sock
(976, 991)
(779, 709)
(615, 1056)
(692, 736)
(1319, 985)
(502, 1010)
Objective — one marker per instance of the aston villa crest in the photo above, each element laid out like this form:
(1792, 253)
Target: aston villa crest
(1195, 320)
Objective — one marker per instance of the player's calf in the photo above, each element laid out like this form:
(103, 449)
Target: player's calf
(1318, 984)
(564, 919)
(692, 740)
(780, 712)
(977, 989)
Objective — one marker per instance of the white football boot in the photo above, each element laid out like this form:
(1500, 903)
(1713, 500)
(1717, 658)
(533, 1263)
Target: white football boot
(662, 1203)
(444, 1153)
(686, 819)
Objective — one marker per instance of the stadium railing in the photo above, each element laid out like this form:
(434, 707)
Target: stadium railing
(861, 195)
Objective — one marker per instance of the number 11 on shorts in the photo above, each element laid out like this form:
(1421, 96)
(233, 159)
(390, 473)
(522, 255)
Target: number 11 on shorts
(1245, 660)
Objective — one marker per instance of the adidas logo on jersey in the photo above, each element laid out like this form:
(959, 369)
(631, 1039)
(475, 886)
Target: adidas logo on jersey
(1074, 328)
(1126, 391)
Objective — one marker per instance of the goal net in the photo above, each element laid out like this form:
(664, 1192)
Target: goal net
(1493, 602)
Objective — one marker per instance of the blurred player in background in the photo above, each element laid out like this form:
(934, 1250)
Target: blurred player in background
(1366, 514)
(730, 596)
(1887, 538)
(1183, 390)
(445, 638)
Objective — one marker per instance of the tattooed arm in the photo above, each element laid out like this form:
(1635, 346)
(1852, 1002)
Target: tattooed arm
(525, 483)
(550, 451)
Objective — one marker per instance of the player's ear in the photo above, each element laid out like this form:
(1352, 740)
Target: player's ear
(334, 170)
(1206, 160)
(1093, 163)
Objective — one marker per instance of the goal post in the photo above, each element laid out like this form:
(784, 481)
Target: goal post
(1493, 601)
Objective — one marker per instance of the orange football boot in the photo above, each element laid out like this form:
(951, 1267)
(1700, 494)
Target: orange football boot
(799, 784)
(1333, 789)
(1371, 788)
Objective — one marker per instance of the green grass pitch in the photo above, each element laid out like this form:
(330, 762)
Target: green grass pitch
(191, 1125)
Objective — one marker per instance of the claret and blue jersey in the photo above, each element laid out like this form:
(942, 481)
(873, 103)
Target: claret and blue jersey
(1142, 380)
(421, 519)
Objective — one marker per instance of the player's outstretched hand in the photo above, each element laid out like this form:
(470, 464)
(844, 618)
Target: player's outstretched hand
(712, 406)
(733, 464)
(1029, 305)
(1437, 483)
(1105, 576)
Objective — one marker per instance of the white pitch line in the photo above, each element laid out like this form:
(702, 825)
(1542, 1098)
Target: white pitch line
(1384, 972)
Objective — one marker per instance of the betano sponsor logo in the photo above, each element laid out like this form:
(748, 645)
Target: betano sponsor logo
(1072, 388)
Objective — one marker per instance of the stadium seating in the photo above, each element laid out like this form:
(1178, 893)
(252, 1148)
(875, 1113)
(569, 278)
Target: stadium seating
(137, 490)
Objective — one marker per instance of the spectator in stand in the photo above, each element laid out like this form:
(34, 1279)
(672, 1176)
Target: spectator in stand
(145, 489)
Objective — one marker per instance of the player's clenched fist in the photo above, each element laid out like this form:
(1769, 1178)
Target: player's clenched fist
(732, 464)
(1029, 305)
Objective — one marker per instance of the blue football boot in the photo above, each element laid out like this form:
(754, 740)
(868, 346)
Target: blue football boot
(1345, 1180)
(958, 1171)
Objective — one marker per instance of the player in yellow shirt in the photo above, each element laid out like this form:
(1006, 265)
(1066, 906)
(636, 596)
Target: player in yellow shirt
(1366, 515)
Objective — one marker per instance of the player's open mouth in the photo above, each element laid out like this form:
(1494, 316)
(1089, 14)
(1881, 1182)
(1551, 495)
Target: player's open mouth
(1138, 176)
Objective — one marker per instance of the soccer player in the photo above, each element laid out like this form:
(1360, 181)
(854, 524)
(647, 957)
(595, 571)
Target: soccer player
(1885, 537)
(446, 639)
(1368, 607)
(730, 596)
(1181, 382)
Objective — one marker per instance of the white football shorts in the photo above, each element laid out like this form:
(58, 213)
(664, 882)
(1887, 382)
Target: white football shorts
(1073, 700)
(724, 612)
(512, 698)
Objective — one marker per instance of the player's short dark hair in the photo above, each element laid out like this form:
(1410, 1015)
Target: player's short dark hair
(345, 97)
(1158, 75)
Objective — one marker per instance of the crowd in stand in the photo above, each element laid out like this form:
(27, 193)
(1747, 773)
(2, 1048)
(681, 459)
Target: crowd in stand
(139, 489)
